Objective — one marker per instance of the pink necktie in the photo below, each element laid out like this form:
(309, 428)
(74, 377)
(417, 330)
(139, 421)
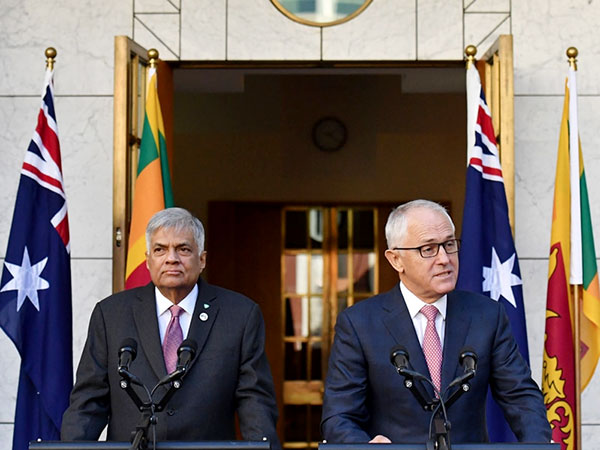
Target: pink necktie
(173, 339)
(432, 347)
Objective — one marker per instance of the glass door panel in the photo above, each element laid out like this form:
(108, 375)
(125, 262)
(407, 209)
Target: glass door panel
(329, 262)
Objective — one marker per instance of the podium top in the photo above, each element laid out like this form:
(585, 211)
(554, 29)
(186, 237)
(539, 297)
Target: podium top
(481, 446)
(165, 445)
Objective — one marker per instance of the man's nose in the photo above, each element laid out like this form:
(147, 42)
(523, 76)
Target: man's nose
(172, 255)
(442, 256)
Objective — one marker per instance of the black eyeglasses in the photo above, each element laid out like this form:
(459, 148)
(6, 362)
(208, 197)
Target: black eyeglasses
(431, 250)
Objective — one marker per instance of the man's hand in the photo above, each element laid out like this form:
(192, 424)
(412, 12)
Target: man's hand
(380, 439)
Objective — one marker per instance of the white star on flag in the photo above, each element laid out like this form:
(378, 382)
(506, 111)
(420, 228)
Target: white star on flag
(26, 280)
(498, 280)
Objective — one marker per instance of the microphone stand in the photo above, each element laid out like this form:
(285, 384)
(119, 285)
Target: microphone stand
(439, 425)
(139, 439)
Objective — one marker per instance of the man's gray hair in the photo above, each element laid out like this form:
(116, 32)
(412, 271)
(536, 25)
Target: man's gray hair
(178, 219)
(395, 228)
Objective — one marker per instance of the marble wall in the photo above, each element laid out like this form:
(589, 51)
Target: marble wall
(83, 30)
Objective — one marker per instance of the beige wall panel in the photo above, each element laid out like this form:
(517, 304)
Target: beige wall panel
(159, 31)
(85, 127)
(83, 37)
(257, 30)
(6, 434)
(487, 5)
(543, 31)
(385, 30)
(154, 6)
(203, 25)
(92, 281)
(482, 30)
(535, 167)
(439, 30)
(9, 371)
(590, 434)
(535, 280)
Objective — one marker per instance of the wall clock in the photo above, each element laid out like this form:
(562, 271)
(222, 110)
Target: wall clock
(329, 134)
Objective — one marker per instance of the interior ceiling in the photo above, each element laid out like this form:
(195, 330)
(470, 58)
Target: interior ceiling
(414, 80)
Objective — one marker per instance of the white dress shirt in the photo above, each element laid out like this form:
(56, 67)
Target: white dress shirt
(414, 305)
(164, 315)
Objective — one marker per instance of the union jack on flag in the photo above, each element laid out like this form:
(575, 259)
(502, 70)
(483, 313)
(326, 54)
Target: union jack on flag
(35, 288)
(488, 259)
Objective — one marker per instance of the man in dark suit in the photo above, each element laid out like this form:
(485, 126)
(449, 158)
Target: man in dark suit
(230, 372)
(365, 398)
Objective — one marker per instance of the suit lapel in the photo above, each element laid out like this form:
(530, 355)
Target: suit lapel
(146, 322)
(458, 322)
(398, 322)
(205, 313)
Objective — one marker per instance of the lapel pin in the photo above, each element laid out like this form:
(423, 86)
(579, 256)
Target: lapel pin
(206, 306)
(203, 317)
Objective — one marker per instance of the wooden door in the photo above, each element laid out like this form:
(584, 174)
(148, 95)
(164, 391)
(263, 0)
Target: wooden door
(302, 265)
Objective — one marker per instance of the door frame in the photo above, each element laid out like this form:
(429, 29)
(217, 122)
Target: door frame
(496, 65)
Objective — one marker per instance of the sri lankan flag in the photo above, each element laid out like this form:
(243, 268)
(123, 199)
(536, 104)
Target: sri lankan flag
(572, 262)
(153, 190)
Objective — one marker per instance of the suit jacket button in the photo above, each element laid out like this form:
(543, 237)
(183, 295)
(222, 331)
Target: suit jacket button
(170, 412)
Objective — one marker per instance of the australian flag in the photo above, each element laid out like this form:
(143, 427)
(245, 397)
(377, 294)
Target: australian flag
(35, 288)
(488, 259)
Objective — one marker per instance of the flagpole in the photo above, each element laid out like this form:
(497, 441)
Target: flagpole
(50, 56)
(470, 51)
(152, 57)
(572, 53)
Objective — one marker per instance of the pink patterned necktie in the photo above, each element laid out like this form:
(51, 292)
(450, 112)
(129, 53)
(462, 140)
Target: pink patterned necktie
(173, 339)
(432, 348)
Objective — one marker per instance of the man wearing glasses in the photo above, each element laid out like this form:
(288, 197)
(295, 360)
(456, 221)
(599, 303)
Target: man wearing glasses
(366, 400)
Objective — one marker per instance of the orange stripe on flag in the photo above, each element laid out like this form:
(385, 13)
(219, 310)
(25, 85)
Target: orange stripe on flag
(148, 199)
(136, 255)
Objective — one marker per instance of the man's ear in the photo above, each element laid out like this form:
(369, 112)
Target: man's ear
(395, 260)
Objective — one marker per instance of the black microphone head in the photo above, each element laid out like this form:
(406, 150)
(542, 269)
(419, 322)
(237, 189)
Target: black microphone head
(188, 345)
(468, 358)
(466, 352)
(129, 345)
(398, 350)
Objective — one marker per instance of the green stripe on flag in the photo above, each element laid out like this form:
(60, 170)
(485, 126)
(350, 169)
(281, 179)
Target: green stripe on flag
(587, 238)
(148, 149)
(166, 175)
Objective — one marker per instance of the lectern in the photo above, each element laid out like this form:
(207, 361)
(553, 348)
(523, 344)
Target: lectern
(496, 446)
(165, 445)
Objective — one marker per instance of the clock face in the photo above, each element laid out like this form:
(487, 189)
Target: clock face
(329, 134)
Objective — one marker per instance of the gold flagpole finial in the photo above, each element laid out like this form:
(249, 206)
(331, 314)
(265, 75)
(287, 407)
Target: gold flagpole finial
(153, 57)
(470, 51)
(50, 56)
(572, 53)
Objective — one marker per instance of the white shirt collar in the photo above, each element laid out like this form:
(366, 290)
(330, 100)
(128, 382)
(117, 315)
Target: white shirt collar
(414, 303)
(188, 303)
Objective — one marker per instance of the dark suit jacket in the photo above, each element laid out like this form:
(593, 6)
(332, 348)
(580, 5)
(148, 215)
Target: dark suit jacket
(365, 396)
(229, 373)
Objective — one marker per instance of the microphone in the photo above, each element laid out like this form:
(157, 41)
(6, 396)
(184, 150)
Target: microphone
(468, 359)
(127, 353)
(399, 358)
(185, 354)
